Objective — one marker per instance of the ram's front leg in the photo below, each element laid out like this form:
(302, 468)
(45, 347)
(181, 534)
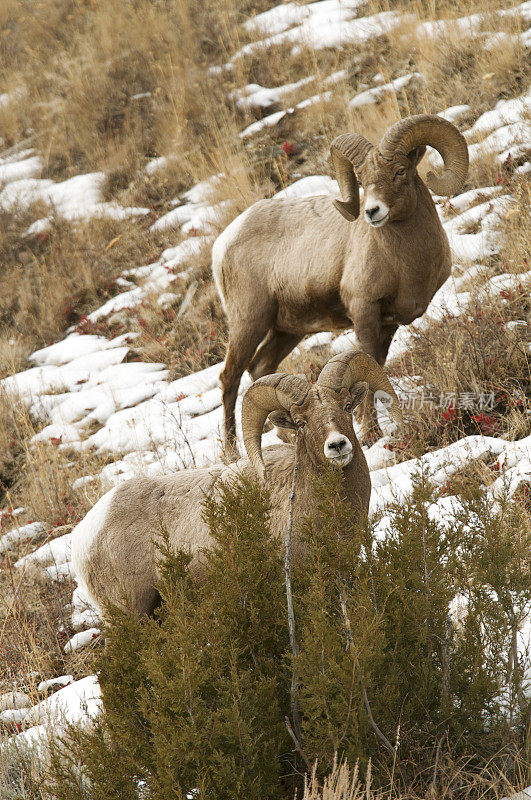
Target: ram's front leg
(374, 335)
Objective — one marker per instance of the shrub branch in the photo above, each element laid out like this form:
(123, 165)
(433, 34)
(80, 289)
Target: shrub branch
(348, 628)
(296, 731)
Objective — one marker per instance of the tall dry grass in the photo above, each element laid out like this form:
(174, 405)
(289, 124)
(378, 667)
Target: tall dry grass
(107, 86)
(50, 280)
(449, 779)
(34, 622)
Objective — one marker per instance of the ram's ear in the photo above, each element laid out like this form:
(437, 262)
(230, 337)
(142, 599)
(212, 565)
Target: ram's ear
(416, 155)
(281, 419)
(358, 392)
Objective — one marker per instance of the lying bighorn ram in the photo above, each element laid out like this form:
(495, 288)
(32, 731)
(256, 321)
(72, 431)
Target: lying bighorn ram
(288, 267)
(113, 550)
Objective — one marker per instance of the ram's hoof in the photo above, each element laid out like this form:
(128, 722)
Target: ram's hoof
(230, 453)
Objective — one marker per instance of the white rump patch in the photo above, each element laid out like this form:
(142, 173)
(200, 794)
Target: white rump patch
(226, 237)
(84, 535)
(219, 248)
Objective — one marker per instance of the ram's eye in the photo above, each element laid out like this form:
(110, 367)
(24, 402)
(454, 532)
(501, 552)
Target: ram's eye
(400, 171)
(348, 407)
(300, 424)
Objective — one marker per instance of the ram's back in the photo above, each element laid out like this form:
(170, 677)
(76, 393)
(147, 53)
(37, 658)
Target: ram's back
(292, 249)
(118, 558)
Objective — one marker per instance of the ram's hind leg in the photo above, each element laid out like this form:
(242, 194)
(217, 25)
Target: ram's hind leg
(239, 353)
(275, 347)
(366, 413)
(374, 332)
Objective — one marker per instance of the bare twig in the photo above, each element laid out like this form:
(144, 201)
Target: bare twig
(433, 784)
(180, 427)
(19, 145)
(346, 619)
(445, 655)
(426, 577)
(445, 699)
(513, 679)
(291, 614)
(298, 746)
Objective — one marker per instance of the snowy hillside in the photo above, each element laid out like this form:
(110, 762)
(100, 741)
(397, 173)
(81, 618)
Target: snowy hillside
(93, 398)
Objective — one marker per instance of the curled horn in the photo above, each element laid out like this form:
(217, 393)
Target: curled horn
(426, 129)
(347, 369)
(347, 153)
(267, 394)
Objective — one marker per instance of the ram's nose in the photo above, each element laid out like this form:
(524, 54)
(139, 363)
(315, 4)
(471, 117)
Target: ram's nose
(337, 448)
(370, 213)
(376, 211)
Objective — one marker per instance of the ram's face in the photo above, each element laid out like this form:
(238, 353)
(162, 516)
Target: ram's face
(389, 187)
(324, 422)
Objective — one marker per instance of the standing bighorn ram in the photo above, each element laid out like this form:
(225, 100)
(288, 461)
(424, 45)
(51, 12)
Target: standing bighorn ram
(113, 549)
(288, 267)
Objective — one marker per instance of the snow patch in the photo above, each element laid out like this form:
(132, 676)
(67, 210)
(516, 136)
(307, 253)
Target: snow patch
(82, 639)
(78, 198)
(17, 535)
(415, 80)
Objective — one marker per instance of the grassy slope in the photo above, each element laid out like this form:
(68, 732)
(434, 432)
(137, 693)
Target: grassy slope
(79, 66)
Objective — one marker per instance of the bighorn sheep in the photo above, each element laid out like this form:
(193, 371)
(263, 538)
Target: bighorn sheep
(113, 549)
(288, 267)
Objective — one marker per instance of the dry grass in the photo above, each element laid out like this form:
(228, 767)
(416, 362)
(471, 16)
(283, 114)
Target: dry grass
(38, 476)
(459, 69)
(49, 281)
(516, 251)
(186, 342)
(452, 779)
(80, 67)
(339, 785)
(435, 9)
(104, 87)
(33, 630)
(479, 352)
(84, 112)
(34, 623)
(474, 353)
